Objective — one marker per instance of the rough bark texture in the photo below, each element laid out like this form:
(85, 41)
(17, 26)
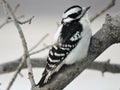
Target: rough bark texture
(108, 35)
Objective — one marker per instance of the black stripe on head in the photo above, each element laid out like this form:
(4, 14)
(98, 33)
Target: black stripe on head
(74, 15)
(75, 6)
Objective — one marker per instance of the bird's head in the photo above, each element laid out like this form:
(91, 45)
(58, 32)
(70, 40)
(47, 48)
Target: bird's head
(74, 13)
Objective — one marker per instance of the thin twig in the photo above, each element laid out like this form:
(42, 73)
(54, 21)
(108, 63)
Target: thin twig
(36, 45)
(7, 20)
(4, 23)
(16, 8)
(58, 24)
(27, 21)
(38, 51)
(24, 44)
(110, 5)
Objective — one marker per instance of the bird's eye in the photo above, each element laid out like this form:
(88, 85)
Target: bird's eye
(74, 15)
(79, 12)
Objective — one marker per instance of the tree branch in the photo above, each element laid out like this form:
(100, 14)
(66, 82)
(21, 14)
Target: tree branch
(8, 19)
(110, 5)
(108, 35)
(27, 21)
(41, 62)
(105, 67)
(24, 44)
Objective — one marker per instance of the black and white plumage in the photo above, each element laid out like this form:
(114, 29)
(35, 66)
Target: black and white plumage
(75, 34)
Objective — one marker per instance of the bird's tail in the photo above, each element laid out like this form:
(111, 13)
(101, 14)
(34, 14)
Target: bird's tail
(42, 81)
(45, 78)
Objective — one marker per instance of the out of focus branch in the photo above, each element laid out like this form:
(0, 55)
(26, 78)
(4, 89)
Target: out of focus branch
(110, 5)
(16, 8)
(7, 20)
(38, 43)
(105, 66)
(27, 21)
(41, 62)
(11, 66)
(25, 57)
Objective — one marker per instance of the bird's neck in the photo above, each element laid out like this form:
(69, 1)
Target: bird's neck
(85, 18)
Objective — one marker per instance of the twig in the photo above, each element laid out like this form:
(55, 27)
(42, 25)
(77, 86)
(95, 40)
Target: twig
(38, 42)
(7, 20)
(27, 21)
(16, 8)
(58, 24)
(4, 23)
(21, 74)
(26, 53)
(41, 62)
(35, 52)
(110, 5)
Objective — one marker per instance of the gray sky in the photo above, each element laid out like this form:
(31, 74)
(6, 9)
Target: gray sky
(47, 7)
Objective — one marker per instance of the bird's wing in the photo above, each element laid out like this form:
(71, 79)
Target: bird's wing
(70, 36)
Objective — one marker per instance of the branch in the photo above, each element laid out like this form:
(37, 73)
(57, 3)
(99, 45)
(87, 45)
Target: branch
(48, 46)
(8, 19)
(16, 8)
(39, 42)
(110, 5)
(27, 21)
(105, 67)
(108, 35)
(41, 62)
(24, 44)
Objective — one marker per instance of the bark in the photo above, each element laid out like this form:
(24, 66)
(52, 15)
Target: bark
(41, 62)
(108, 35)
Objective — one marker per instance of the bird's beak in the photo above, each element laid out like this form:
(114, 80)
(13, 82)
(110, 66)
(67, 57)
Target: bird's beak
(87, 8)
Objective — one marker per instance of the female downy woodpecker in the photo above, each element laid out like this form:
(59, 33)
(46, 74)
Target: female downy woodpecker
(75, 34)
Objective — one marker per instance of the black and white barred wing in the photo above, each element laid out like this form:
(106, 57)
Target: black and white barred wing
(57, 54)
(70, 35)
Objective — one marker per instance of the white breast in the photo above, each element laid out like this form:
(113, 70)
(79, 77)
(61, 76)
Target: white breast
(57, 34)
(81, 50)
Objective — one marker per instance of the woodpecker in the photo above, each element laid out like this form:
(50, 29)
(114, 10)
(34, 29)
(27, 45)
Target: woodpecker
(74, 33)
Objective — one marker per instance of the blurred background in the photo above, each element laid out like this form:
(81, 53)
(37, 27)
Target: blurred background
(47, 14)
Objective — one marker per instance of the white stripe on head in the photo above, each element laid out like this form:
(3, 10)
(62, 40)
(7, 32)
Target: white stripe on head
(73, 10)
